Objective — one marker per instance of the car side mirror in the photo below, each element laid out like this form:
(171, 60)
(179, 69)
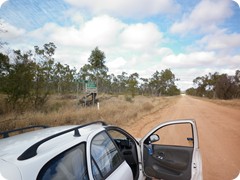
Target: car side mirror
(154, 138)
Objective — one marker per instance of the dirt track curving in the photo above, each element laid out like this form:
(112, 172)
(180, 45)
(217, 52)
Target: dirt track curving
(219, 133)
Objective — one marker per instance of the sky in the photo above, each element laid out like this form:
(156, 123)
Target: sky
(191, 37)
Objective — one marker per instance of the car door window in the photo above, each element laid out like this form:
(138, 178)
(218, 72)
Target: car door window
(175, 135)
(168, 152)
(105, 156)
(70, 164)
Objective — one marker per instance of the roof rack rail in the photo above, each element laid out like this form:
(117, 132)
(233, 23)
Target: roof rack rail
(32, 151)
(5, 134)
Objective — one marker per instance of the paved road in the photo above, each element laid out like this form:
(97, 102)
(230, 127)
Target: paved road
(219, 133)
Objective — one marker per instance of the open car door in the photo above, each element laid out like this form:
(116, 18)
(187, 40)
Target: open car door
(171, 151)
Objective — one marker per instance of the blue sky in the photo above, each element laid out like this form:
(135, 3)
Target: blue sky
(190, 37)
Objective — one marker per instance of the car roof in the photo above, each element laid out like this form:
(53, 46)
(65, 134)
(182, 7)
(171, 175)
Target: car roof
(13, 147)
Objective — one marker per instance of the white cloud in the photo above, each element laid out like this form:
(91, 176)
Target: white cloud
(2, 2)
(134, 47)
(204, 17)
(191, 60)
(99, 31)
(187, 67)
(137, 44)
(106, 32)
(10, 32)
(75, 16)
(72, 56)
(162, 52)
(141, 36)
(102, 30)
(130, 8)
(116, 63)
(220, 40)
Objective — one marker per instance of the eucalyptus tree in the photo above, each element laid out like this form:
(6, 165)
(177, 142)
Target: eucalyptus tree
(44, 72)
(132, 84)
(97, 64)
(18, 79)
(96, 70)
(122, 78)
(237, 82)
(4, 70)
(144, 86)
(168, 80)
(163, 83)
(217, 85)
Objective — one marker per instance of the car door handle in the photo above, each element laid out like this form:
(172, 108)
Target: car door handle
(161, 155)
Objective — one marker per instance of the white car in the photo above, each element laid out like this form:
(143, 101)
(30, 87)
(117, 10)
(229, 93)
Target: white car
(100, 151)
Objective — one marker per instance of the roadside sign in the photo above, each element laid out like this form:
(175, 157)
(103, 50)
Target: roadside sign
(91, 87)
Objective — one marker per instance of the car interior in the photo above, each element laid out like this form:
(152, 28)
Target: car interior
(127, 147)
(168, 162)
(169, 157)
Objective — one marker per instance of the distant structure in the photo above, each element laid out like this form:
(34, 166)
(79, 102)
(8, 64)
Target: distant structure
(90, 90)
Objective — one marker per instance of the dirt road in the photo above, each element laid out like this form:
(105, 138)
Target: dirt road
(219, 133)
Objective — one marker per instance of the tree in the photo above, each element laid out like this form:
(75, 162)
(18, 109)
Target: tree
(43, 73)
(168, 86)
(122, 78)
(217, 85)
(132, 83)
(144, 86)
(96, 70)
(19, 80)
(97, 62)
(86, 72)
(163, 83)
(155, 83)
(225, 87)
(237, 82)
(191, 91)
(4, 69)
(199, 82)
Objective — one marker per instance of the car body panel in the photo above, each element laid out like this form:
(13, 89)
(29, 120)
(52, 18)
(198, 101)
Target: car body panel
(13, 147)
(125, 172)
(10, 172)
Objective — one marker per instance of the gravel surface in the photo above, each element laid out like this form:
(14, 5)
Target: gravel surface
(218, 128)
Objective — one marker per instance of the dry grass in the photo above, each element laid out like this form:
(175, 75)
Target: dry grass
(62, 111)
(234, 103)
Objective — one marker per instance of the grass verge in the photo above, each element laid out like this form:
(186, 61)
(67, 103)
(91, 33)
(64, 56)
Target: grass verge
(61, 111)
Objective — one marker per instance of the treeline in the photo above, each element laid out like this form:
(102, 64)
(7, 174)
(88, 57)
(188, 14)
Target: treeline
(221, 86)
(27, 78)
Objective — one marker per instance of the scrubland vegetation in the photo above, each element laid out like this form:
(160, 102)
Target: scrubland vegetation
(35, 89)
(234, 103)
(62, 110)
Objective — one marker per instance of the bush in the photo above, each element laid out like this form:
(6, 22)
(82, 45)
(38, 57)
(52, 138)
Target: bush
(128, 99)
(147, 106)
